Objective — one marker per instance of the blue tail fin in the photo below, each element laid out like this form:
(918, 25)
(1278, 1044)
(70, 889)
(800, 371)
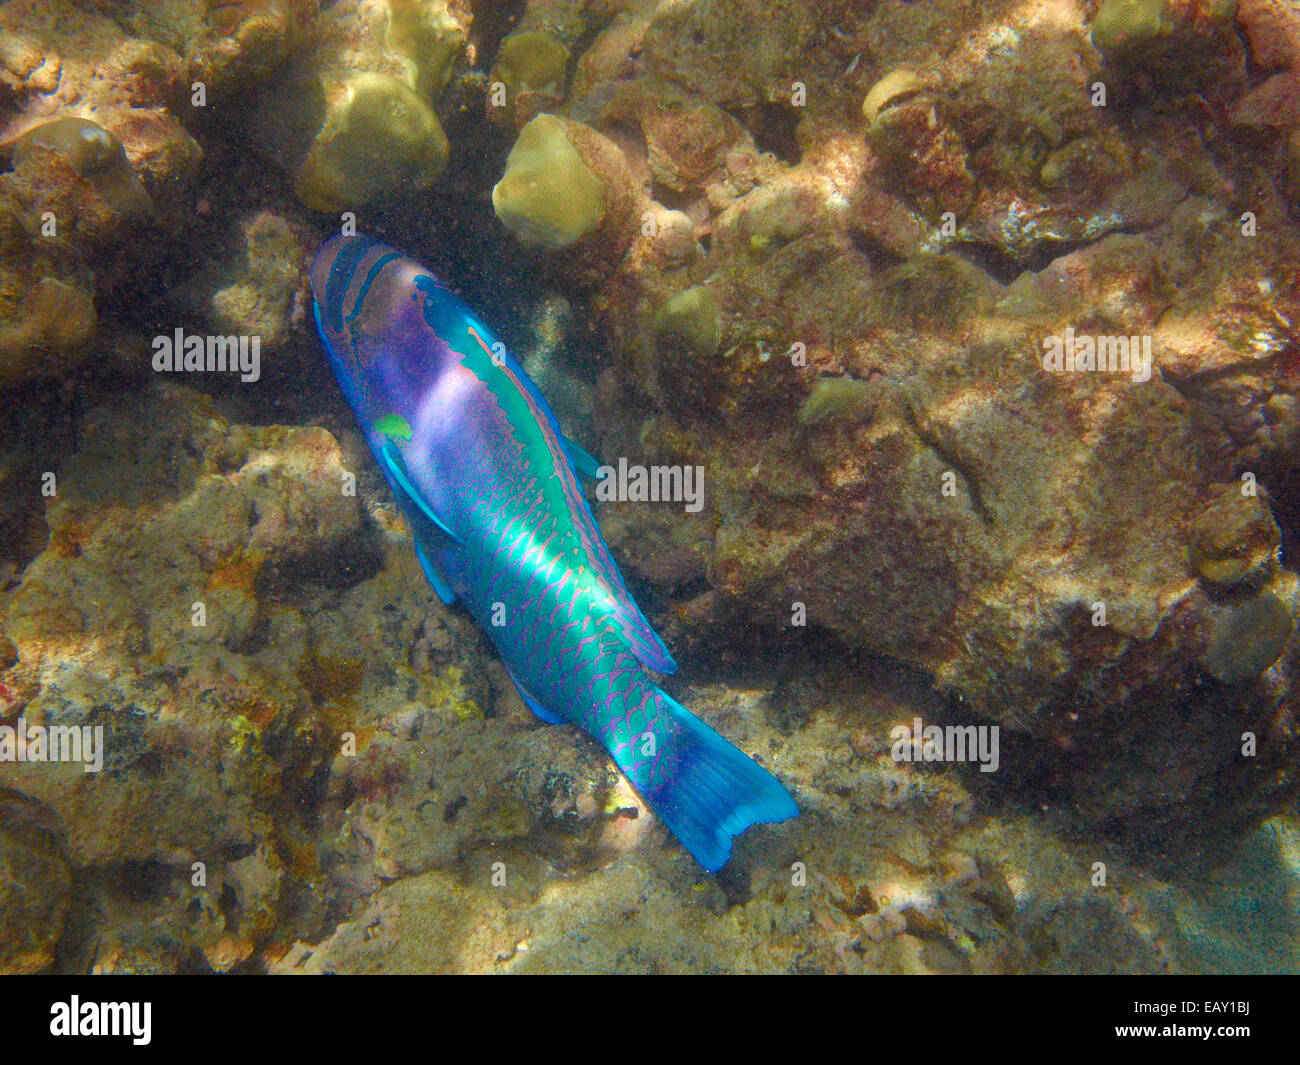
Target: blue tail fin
(716, 793)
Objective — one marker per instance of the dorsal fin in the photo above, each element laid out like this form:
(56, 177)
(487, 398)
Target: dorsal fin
(583, 460)
(639, 636)
(637, 633)
(607, 596)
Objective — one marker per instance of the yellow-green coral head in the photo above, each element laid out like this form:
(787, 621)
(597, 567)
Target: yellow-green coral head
(379, 138)
(86, 146)
(548, 197)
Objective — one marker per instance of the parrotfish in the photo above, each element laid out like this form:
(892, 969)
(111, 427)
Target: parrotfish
(489, 486)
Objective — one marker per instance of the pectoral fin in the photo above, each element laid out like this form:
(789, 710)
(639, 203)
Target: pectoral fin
(392, 459)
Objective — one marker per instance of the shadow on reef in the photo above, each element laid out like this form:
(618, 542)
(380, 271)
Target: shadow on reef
(1183, 826)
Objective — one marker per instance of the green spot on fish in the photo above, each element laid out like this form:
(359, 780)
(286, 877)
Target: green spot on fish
(395, 427)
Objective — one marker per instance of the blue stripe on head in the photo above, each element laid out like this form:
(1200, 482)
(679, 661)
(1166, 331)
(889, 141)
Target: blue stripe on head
(345, 262)
(371, 274)
(351, 387)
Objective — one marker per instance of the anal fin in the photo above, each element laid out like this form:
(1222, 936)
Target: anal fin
(533, 704)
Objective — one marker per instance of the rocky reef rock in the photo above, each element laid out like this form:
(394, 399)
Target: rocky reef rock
(47, 309)
(567, 188)
(1247, 918)
(257, 292)
(1017, 530)
(1176, 43)
(979, 319)
(378, 137)
(529, 75)
(89, 69)
(74, 172)
(35, 885)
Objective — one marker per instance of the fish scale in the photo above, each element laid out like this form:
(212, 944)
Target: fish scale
(480, 470)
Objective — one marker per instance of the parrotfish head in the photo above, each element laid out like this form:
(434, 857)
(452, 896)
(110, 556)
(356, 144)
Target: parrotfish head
(378, 313)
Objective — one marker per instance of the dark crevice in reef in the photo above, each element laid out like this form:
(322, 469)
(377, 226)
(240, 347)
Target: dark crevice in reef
(772, 125)
(38, 423)
(959, 466)
(880, 257)
(1282, 488)
(1001, 265)
(1179, 839)
(800, 662)
(154, 300)
(671, 198)
(1004, 267)
(1278, 473)
(331, 566)
(595, 26)
(144, 881)
(494, 20)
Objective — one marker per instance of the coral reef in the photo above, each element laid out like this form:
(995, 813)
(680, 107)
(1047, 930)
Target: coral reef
(256, 291)
(357, 122)
(531, 68)
(378, 137)
(980, 320)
